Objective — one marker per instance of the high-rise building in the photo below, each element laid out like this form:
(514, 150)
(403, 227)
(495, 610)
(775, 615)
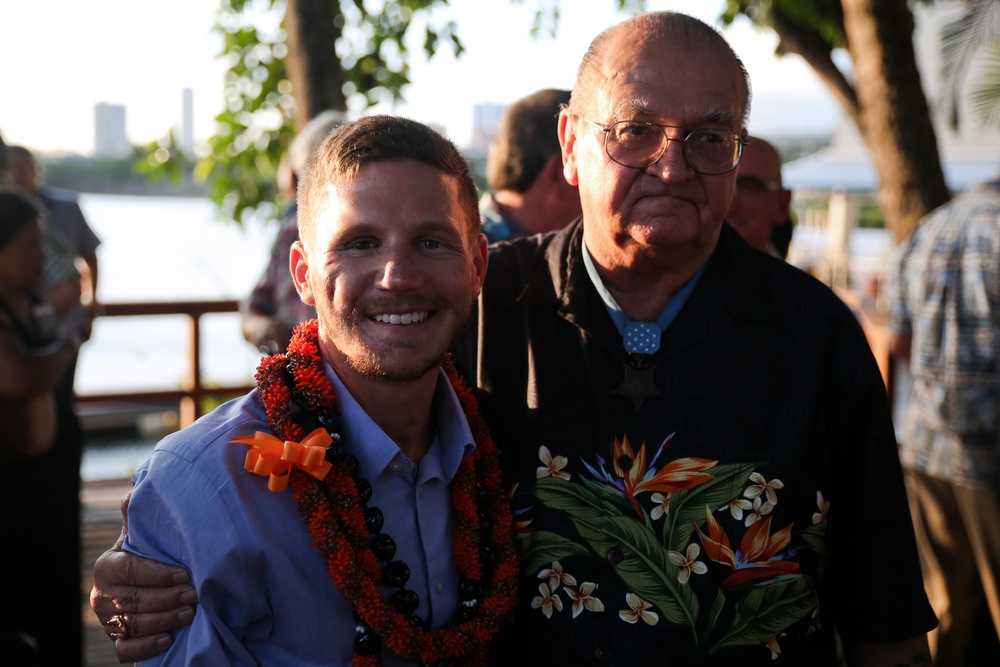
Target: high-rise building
(110, 138)
(485, 121)
(187, 125)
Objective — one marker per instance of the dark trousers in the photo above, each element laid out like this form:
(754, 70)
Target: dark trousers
(40, 618)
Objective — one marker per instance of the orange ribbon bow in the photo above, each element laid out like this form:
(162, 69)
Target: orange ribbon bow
(275, 458)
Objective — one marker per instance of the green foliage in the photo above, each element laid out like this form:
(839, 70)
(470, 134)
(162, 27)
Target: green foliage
(258, 122)
(975, 31)
(256, 125)
(871, 217)
(163, 160)
(986, 95)
(824, 18)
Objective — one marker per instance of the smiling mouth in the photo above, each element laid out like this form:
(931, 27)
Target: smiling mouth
(404, 318)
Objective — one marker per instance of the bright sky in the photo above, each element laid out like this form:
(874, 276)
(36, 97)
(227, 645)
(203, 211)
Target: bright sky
(61, 57)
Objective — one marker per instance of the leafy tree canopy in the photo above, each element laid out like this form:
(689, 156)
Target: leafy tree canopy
(262, 108)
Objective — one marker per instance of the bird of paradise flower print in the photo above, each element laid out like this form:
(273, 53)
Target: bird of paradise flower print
(676, 522)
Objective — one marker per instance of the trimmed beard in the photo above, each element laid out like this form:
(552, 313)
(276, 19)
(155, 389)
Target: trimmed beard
(368, 363)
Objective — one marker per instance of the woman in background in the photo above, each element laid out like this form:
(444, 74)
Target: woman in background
(34, 503)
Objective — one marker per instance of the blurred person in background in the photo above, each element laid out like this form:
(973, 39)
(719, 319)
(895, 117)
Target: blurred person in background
(760, 209)
(273, 307)
(69, 286)
(945, 320)
(39, 497)
(66, 223)
(524, 169)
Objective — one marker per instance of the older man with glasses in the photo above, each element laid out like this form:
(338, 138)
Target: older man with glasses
(705, 463)
(697, 438)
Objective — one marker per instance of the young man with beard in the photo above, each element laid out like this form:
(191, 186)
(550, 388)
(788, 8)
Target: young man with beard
(359, 429)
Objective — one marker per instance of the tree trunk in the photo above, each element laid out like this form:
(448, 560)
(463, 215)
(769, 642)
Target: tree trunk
(312, 62)
(893, 114)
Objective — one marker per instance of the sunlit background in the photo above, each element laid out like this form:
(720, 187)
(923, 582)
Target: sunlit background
(62, 57)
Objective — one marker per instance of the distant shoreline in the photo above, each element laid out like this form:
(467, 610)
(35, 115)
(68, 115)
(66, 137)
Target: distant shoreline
(117, 176)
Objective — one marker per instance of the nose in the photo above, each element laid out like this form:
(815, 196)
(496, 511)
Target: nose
(399, 270)
(672, 165)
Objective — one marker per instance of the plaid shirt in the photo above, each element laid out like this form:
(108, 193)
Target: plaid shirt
(946, 296)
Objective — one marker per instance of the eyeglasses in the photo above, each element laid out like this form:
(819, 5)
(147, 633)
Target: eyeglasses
(755, 186)
(638, 144)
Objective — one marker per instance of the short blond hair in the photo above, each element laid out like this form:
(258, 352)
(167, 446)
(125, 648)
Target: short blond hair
(373, 139)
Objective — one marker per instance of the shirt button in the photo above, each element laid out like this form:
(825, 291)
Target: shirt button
(395, 466)
(615, 555)
(440, 587)
(603, 653)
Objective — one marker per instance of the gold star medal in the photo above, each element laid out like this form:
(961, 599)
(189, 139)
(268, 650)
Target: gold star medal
(640, 339)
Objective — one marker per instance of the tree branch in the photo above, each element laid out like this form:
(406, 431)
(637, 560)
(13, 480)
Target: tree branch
(817, 53)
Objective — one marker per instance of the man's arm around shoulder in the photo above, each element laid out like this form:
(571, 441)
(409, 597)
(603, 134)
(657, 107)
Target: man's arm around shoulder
(125, 583)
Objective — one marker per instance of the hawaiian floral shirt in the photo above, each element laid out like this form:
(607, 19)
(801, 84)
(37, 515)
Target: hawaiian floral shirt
(946, 296)
(732, 499)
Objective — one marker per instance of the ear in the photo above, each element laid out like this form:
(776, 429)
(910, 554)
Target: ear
(298, 262)
(479, 261)
(567, 140)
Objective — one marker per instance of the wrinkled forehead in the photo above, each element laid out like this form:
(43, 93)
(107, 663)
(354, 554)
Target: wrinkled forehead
(685, 83)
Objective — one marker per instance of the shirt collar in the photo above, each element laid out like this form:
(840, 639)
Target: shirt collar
(374, 449)
(620, 319)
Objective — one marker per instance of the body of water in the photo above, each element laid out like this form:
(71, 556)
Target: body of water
(164, 249)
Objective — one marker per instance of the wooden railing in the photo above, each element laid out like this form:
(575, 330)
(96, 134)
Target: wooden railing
(191, 391)
(188, 396)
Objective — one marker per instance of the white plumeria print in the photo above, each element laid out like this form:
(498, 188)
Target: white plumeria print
(687, 563)
(761, 487)
(758, 512)
(552, 466)
(662, 507)
(556, 576)
(737, 508)
(547, 601)
(638, 608)
(772, 644)
(824, 507)
(584, 599)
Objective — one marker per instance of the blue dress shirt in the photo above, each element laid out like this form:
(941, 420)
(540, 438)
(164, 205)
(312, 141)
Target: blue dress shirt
(264, 595)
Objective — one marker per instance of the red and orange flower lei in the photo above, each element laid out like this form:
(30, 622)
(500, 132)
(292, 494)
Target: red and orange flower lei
(333, 509)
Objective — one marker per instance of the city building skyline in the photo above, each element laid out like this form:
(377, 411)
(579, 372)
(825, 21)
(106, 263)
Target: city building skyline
(110, 134)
